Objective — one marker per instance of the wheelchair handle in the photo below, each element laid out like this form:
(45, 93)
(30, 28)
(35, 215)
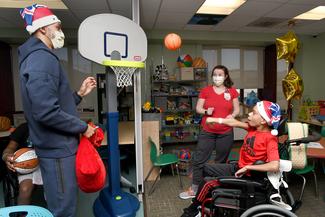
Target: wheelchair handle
(311, 138)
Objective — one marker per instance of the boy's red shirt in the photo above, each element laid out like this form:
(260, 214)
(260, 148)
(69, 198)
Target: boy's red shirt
(258, 146)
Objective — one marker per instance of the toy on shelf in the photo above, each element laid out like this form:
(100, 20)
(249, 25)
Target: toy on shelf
(184, 60)
(171, 104)
(199, 62)
(161, 73)
(149, 108)
(251, 99)
(184, 154)
(170, 120)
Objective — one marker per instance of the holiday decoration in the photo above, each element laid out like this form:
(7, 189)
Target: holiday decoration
(292, 85)
(184, 60)
(172, 41)
(287, 47)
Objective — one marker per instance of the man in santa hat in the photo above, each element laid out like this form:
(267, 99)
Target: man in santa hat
(260, 144)
(50, 108)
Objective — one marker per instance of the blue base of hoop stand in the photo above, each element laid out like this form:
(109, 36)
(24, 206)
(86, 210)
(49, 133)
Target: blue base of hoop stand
(112, 201)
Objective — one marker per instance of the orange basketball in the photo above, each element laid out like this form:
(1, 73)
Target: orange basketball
(25, 160)
(172, 41)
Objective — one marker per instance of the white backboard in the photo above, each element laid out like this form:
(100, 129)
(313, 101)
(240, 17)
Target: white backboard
(99, 35)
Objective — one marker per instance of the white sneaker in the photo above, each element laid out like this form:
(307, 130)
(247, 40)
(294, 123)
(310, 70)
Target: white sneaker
(189, 194)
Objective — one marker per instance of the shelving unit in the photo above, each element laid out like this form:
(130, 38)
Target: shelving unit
(177, 100)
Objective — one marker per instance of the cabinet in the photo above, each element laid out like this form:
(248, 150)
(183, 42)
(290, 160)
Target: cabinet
(177, 100)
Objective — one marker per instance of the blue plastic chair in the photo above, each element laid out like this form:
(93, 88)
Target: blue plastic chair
(31, 211)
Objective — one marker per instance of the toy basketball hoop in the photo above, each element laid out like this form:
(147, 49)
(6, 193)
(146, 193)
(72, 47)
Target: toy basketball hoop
(123, 70)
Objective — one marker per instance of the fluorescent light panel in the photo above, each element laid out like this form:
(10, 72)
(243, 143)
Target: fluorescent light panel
(222, 7)
(317, 13)
(53, 4)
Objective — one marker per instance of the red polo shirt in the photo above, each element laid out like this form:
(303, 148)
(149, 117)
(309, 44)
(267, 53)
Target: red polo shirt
(222, 104)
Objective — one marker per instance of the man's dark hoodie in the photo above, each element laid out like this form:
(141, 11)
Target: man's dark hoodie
(48, 102)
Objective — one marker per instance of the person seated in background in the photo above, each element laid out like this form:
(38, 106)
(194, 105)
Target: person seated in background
(260, 144)
(19, 139)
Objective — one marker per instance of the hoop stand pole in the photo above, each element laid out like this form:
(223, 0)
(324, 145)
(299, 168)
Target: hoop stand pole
(112, 201)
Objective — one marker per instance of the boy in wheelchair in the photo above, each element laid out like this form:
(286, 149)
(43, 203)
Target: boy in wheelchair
(19, 139)
(260, 144)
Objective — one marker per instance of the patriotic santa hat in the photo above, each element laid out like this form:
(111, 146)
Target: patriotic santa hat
(37, 16)
(271, 113)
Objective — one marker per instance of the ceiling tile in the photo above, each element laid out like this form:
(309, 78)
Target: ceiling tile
(235, 20)
(149, 10)
(289, 10)
(257, 8)
(198, 27)
(86, 4)
(181, 5)
(83, 14)
(177, 18)
(307, 2)
(123, 8)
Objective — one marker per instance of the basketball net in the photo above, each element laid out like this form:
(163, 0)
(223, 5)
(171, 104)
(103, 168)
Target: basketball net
(123, 70)
(123, 75)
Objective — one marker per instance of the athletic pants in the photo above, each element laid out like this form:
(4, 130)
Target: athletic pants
(60, 185)
(207, 142)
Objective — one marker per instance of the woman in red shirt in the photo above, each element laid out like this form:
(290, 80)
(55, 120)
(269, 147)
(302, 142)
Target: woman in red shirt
(217, 100)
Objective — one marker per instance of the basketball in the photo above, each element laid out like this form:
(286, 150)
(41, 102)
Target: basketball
(172, 41)
(25, 160)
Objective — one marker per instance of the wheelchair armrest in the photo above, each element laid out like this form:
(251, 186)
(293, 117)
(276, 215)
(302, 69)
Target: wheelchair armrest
(241, 182)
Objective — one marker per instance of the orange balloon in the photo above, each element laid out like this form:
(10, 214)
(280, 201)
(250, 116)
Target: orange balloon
(172, 41)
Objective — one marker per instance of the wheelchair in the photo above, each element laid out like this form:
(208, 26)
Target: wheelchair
(10, 188)
(250, 196)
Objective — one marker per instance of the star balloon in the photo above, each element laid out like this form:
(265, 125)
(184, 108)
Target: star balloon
(292, 85)
(287, 47)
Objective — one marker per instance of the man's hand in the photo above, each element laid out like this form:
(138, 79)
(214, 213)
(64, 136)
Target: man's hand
(87, 86)
(241, 172)
(9, 160)
(90, 131)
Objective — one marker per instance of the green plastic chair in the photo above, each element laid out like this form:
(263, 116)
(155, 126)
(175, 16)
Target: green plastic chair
(161, 161)
(27, 210)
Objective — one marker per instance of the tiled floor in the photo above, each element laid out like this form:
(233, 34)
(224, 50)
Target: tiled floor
(165, 202)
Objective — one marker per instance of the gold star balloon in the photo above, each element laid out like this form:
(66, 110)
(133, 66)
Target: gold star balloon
(287, 47)
(292, 85)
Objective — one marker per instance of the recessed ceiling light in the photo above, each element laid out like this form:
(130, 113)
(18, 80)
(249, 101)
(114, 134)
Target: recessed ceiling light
(317, 13)
(52, 4)
(224, 7)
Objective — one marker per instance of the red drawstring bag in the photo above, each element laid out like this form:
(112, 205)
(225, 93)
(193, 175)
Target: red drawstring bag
(90, 169)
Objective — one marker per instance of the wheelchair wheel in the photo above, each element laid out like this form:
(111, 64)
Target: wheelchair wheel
(10, 189)
(267, 210)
